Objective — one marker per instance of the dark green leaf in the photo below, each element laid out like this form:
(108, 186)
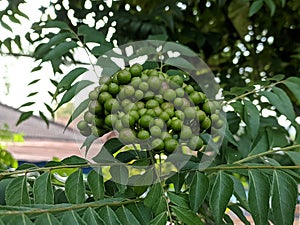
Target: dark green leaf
(91, 217)
(72, 217)
(258, 198)
(46, 219)
(32, 94)
(26, 104)
(75, 189)
(198, 190)
(295, 157)
(60, 50)
(239, 191)
(160, 219)
(74, 89)
(101, 50)
(19, 220)
(70, 77)
(271, 5)
(109, 216)
(96, 184)
(42, 115)
(17, 40)
(179, 200)
(160, 37)
(113, 145)
(42, 190)
(74, 160)
(220, 195)
(24, 116)
(293, 83)
(261, 146)
(34, 81)
(56, 24)
(284, 198)
(180, 63)
(141, 212)
(91, 34)
(154, 194)
(281, 101)
(251, 118)
(5, 25)
(16, 192)
(277, 137)
(37, 68)
(186, 216)
(177, 179)
(255, 7)
(237, 211)
(126, 217)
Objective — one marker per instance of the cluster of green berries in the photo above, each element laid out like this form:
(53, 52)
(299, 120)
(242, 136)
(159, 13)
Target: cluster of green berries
(151, 108)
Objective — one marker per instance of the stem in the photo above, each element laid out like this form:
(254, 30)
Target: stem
(68, 208)
(244, 167)
(271, 151)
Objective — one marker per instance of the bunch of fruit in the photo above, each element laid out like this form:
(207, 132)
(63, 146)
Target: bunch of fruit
(160, 112)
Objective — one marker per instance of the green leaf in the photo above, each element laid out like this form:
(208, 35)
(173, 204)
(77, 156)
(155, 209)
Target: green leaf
(186, 216)
(17, 40)
(26, 104)
(77, 112)
(126, 217)
(70, 77)
(251, 118)
(71, 217)
(239, 191)
(74, 160)
(32, 94)
(74, 89)
(198, 190)
(154, 194)
(42, 115)
(284, 198)
(281, 101)
(109, 216)
(91, 217)
(96, 184)
(261, 146)
(60, 50)
(91, 34)
(46, 219)
(179, 200)
(24, 116)
(56, 24)
(6, 26)
(102, 49)
(255, 7)
(220, 195)
(141, 212)
(16, 192)
(1, 222)
(161, 206)
(183, 50)
(294, 156)
(258, 197)
(19, 220)
(75, 189)
(277, 137)
(271, 5)
(177, 179)
(160, 219)
(237, 211)
(119, 174)
(293, 83)
(160, 37)
(180, 63)
(42, 189)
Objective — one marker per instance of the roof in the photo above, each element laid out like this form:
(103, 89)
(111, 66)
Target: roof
(34, 127)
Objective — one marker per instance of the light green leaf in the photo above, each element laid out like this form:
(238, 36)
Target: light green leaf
(71, 217)
(109, 216)
(43, 190)
(255, 7)
(75, 189)
(284, 198)
(119, 174)
(46, 219)
(60, 50)
(16, 192)
(91, 217)
(179, 199)
(160, 219)
(221, 193)
(271, 5)
(74, 89)
(96, 184)
(141, 212)
(24, 116)
(186, 216)
(293, 83)
(70, 77)
(251, 118)
(19, 220)
(281, 101)
(198, 190)
(154, 195)
(258, 198)
(126, 217)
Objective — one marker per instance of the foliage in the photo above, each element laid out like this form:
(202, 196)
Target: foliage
(256, 58)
